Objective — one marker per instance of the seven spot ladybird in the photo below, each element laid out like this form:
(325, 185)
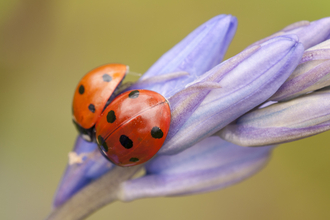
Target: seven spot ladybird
(93, 94)
(133, 127)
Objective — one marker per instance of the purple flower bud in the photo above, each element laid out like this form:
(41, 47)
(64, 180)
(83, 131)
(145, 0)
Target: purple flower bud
(209, 165)
(282, 122)
(201, 50)
(197, 53)
(309, 33)
(203, 104)
(246, 81)
(312, 74)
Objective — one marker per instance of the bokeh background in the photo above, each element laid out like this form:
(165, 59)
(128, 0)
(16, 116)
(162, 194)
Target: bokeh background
(47, 46)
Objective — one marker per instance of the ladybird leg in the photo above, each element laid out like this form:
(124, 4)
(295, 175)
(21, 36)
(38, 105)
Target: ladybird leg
(122, 87)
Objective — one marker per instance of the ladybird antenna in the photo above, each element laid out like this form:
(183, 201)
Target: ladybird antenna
(134, 73)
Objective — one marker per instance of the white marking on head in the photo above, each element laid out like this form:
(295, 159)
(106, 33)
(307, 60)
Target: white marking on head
(86, 137)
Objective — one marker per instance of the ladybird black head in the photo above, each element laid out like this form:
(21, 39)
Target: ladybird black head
(87, 134)
(81, 89)
(103, 145)
(106, 77)
(126, 142)
(134, 159)
(91, 108)
(134, 94)
(80, 129)
(111, 117)
(156, 132)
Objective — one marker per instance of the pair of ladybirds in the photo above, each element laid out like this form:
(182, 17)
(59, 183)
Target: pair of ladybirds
(130, 128)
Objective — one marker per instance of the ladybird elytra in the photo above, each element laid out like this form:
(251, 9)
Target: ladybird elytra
(92, 94)
(133, 127)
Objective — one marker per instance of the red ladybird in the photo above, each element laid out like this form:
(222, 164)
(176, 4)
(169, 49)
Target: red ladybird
(92, 94)
(133, 127)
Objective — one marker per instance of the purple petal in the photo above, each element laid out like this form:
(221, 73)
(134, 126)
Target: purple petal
(244, 85)
(209, 165)
(85, 165)
(314, 33)
(197, 53)
(282, 122)
(309, 33)
(312, 74)
(185, 102)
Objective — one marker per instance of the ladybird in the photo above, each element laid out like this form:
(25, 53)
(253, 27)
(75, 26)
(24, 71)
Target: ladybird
(133, 127)
(93, 94)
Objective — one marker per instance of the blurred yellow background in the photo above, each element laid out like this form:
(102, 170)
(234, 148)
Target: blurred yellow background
(47, 46)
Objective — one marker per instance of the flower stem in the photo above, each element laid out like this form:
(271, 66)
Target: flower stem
(95, 195)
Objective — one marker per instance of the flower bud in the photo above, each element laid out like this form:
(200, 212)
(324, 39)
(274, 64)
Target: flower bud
(85, 165)
(209, 165)
(246, 80)
(197, 53)
(200, 51)
(312, 74)
(309, 33)
(282, 122)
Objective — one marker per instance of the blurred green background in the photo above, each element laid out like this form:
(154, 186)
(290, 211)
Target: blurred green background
(47, 46)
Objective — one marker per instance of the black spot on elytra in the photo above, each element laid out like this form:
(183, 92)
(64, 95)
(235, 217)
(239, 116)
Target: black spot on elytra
(156, 132)
(102, 144)
(134, 94)
(126, 142)
(81, 89)
(106, 77)
(134, 159)
(111, 117)
(91, 108)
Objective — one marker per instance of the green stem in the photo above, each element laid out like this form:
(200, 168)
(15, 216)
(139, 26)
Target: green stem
(94, 196)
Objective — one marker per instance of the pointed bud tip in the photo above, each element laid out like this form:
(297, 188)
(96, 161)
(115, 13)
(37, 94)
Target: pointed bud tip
(323, 21)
